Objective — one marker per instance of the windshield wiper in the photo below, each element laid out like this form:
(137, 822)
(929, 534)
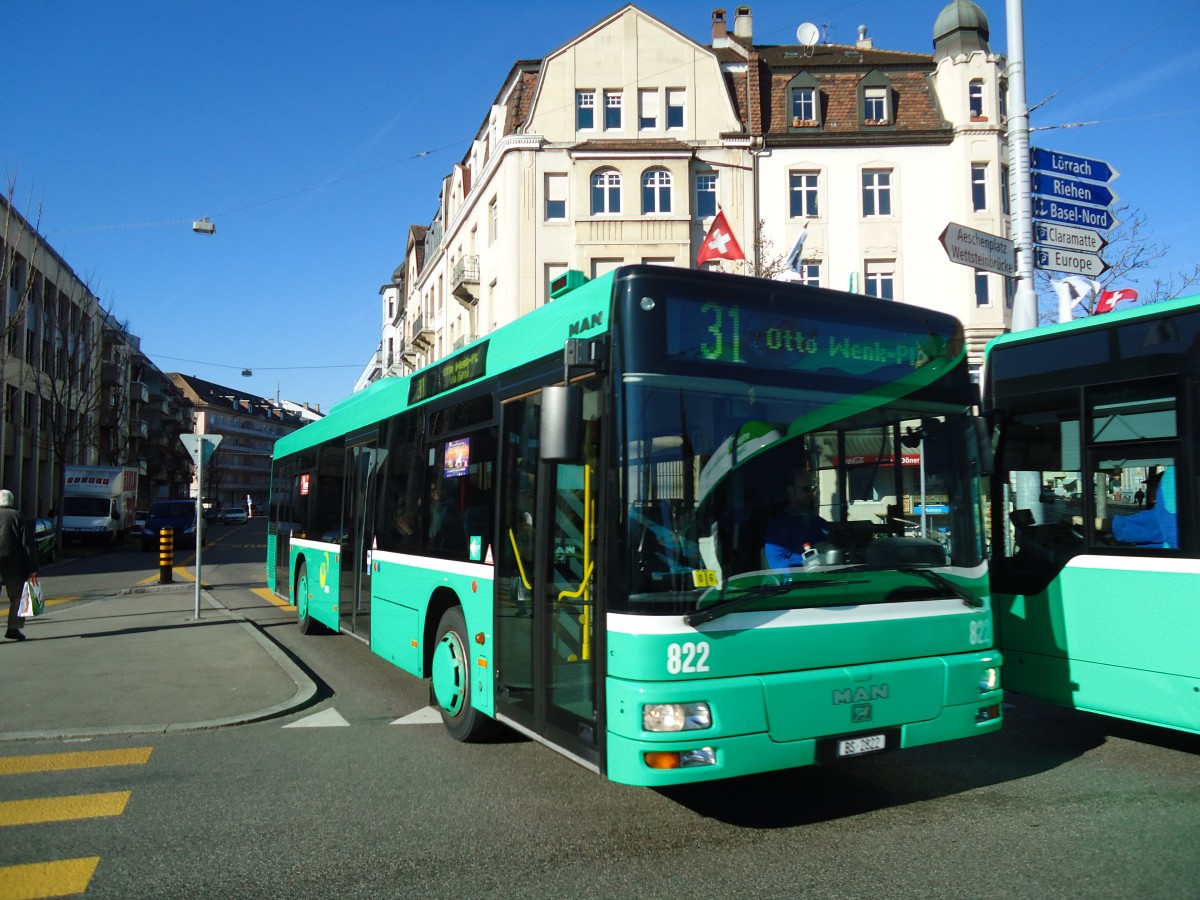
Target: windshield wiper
(938, 580)
(746, 596)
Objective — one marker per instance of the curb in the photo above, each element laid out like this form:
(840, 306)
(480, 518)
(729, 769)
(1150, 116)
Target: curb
(305, 688)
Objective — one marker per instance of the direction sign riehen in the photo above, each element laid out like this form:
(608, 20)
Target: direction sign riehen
(978, 249)
(1071, 166)
(1071, 261)
(1070, 189)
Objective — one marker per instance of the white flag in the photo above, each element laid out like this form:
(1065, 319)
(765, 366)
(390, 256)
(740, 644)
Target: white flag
(794, 262)
(1072, 291)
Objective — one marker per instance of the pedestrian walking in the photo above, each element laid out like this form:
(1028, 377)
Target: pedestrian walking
(18, 561)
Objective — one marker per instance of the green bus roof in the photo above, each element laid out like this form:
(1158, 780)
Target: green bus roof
(532, 336)
(1105, 320)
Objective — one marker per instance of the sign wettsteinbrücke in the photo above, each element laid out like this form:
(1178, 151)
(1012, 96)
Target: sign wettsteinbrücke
(978, 249)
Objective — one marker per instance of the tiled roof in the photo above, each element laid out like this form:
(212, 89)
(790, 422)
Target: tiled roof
(823, 56)
(837, 71)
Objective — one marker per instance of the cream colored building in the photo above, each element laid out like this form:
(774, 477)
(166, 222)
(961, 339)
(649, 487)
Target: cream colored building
(620, 146)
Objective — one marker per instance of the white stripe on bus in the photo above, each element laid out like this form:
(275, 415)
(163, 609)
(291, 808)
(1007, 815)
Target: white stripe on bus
(625, 623)
(1137, 564)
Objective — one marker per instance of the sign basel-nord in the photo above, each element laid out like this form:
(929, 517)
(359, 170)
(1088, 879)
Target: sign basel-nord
(978, 249)
(1070, 208)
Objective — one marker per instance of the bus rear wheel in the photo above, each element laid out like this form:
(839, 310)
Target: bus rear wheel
(308, 625)
(451, 687)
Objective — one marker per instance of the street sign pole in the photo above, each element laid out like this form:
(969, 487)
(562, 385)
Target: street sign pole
(201, 447)
(1025, 298)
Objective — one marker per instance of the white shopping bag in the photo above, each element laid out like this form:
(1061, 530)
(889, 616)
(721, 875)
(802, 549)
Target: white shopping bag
(32, 603)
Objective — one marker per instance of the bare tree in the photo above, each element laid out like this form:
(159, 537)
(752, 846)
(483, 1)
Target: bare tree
(1131, 254)
(771, 263)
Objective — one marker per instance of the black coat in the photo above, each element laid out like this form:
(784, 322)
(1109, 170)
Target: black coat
(18, 552)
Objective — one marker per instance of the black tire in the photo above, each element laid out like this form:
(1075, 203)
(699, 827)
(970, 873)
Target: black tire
(308, 625)
(450, 682)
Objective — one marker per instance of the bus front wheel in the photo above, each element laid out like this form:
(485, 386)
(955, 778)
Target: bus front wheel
(451, 679)
(308, 625)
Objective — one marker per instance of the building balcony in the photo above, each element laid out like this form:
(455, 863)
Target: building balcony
(464, 280)
(139, 393)
(464, 339)
(423, 334)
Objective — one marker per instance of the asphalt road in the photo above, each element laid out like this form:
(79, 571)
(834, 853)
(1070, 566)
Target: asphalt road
(354, 805)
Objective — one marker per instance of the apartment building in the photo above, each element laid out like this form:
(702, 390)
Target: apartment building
(239, 473)
(621, 145)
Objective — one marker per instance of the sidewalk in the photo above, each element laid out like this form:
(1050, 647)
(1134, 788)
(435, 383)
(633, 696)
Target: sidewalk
(138, 661)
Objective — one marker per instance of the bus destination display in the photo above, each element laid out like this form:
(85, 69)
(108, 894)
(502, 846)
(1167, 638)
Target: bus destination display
(706, 331)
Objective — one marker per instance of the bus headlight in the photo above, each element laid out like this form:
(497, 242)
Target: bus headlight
(676, 716)
(989, 680)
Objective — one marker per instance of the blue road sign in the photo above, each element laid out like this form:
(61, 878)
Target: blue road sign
(1053, 210)
(1070, 189)
(1071, 166)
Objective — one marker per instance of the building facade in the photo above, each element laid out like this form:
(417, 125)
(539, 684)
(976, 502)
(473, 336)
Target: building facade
(622, 145)
(239, 473)
(51, 362)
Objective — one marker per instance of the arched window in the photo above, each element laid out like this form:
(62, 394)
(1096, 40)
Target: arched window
(656, 191)
(606, 192)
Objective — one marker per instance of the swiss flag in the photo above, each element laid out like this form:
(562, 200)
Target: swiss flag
(719, 243)
(1109, 299)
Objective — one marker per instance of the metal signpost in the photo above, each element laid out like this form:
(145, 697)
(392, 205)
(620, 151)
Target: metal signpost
(1070, 208)
(201, 447)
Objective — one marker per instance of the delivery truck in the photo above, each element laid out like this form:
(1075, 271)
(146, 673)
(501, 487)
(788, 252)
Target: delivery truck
(99, 503)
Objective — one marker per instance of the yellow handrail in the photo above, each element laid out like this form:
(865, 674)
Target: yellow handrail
(520, 566)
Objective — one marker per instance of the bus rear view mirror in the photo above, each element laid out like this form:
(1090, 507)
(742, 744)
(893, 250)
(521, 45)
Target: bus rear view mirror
(561, 434)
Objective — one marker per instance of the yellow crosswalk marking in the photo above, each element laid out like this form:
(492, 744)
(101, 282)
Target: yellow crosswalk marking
(61, 878)
(62, 809)
(85, 759)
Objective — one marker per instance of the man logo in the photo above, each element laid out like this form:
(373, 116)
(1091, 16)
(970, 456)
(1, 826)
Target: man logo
(861, 713)
(860, 694)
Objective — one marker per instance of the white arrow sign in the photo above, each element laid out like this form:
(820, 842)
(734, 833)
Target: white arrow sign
(978, 249)
(1050, 234)
(1074, 262)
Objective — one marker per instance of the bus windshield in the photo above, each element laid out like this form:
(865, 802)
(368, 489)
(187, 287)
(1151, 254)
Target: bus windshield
(739, 487)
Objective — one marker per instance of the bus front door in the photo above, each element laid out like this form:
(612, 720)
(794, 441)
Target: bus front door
(545, 608)
(357, 536)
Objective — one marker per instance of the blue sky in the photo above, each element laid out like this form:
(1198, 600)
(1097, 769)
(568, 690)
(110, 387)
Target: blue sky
(314, 134)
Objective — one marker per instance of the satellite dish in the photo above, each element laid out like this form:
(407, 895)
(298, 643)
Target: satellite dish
(808, 34)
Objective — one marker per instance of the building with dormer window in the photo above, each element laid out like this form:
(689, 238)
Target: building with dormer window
(621, 145)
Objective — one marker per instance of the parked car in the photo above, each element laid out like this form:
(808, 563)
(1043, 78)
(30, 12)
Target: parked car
(235, 515)
(43, 536)
(179, 515)
(139, 520)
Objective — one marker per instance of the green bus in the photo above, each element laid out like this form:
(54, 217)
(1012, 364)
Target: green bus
(1095, 538)
(564, 526)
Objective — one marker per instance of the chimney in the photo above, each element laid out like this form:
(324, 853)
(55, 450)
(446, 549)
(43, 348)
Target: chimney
(864, 42)
(743, 24)
(720, 37)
